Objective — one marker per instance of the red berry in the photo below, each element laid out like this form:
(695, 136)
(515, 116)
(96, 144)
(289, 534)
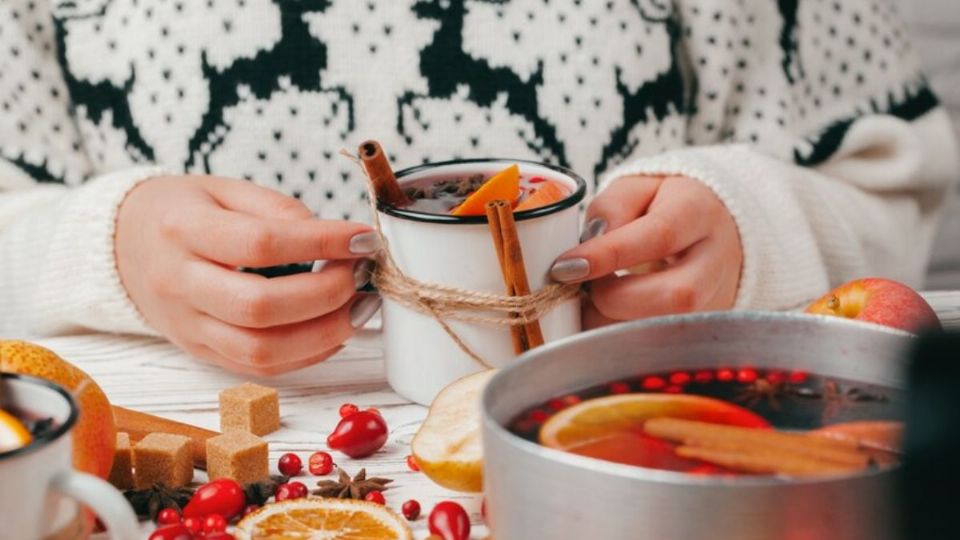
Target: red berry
(320, 463)
(673, 389)
(537, 180)
(539, 416)
(249, 509)
(214, 523)
(775, 377)
(347, 409)
(680, 378)
(556, 404)
(411, 509)
(359, 435)
(653, 383)
(291, 490)
(619, 388)
(195, 524)
(725, 375)
(746, 375)
(173, 531)
(221, 496)
(797, 377)
(703, 377)
(375, 497)
(450, 521)
(373, 410)
(168, 516)
(290, 464)
(412, 463)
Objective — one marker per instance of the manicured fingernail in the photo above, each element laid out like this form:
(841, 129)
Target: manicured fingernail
(365, 243)
(595, 227)
(570, 269)
(318, 266)
(362, 272)
(363, 309)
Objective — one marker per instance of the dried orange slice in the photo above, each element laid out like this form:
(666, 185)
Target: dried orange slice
(447, 447)
(329, 519)
(504, 185)
(594, 421)
(13, 434)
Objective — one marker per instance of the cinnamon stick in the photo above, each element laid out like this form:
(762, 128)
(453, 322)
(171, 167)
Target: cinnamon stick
(385, 184)
(503, 230)
(761, 462)
(138, 425)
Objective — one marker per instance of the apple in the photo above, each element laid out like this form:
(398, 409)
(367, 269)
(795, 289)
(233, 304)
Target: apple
(880, 301)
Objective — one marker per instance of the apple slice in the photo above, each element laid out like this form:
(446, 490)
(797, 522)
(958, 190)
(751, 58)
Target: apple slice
(447, 447)
(504, 185)
(548, 192)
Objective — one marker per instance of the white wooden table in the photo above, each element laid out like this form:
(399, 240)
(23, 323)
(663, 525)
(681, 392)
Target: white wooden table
(154, 376)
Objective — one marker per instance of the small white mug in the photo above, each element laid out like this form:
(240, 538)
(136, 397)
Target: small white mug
(36, 480)
(458, 251)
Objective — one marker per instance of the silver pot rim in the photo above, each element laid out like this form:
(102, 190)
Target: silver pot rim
(494, 428)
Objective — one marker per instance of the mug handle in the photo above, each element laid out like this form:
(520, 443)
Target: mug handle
(113, 510)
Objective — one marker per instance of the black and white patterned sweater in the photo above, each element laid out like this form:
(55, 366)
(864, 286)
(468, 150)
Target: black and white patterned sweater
(809, 118)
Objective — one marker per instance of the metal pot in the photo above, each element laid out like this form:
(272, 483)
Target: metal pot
(536, 492)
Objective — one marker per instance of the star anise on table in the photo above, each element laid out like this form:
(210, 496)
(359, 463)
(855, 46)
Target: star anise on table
(351, 488)
(259, 492)
(147, 502)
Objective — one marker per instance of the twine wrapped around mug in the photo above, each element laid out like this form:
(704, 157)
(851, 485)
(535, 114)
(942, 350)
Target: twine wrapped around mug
(444, 303)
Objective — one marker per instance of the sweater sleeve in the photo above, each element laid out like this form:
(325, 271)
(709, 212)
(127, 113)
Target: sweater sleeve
(57, 267)
(823, 141)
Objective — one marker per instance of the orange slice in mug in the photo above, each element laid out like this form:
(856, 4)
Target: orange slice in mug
(547, 193)
(13, 434)
(611, 427)
(505, 185)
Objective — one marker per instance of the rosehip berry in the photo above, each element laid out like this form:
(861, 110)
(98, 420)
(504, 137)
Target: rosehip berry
(222, 496)
(249, 509)
(320, 463)
(174, 531)
(195, 524)
(412, 463)
(290, 490)
(214, 523)
(375, 497)
(347, 409)
(619, 388)
(168, 516)
(359, 435)
(450, 521)
(290, 464)
(411, 509)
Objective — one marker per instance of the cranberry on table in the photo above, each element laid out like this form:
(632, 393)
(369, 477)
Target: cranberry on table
(347, 409)
(222, 496)
(375, 497)
(214, 523)
(412, 463)
(290, 490)
(320, 463)
(193, 524)
(450, 521)
(173, 531)
(168, 516)
(411, 509)
(290, 464)
(359, 435)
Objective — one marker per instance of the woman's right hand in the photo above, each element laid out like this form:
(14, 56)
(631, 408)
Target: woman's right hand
(179, 241)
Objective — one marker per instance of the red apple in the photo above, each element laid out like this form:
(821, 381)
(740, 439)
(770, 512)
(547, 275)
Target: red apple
(879, 301)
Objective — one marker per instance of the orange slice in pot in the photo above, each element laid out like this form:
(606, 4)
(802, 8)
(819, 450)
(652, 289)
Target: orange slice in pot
(330, 519)
(504, 185)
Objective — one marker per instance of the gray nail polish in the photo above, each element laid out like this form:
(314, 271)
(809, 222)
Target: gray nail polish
(569, 270)
(363, 309)
(362, 272)
(595, 227)
(366, 243)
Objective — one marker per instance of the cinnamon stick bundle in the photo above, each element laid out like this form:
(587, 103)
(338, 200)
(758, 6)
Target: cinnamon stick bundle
(506, 242)
(759, 450)
(385, 184)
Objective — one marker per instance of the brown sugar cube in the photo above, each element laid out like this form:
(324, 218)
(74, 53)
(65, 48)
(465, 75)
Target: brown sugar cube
(250, 407)
(239, 455)
(121, 475)
(163, 458)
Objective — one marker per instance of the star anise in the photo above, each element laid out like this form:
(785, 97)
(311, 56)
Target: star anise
(147, 502)
(259, 492)
(351, 488)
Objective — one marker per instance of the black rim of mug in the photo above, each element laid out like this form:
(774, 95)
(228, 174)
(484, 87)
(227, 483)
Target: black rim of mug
(46, 438)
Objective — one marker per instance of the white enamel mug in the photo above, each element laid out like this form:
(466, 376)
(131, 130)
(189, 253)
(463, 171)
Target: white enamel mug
(458, 251)
(39, 488)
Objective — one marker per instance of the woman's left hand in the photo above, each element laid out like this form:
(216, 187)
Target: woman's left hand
(673, 222)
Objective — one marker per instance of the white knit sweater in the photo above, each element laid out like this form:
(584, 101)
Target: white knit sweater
(810, 120)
